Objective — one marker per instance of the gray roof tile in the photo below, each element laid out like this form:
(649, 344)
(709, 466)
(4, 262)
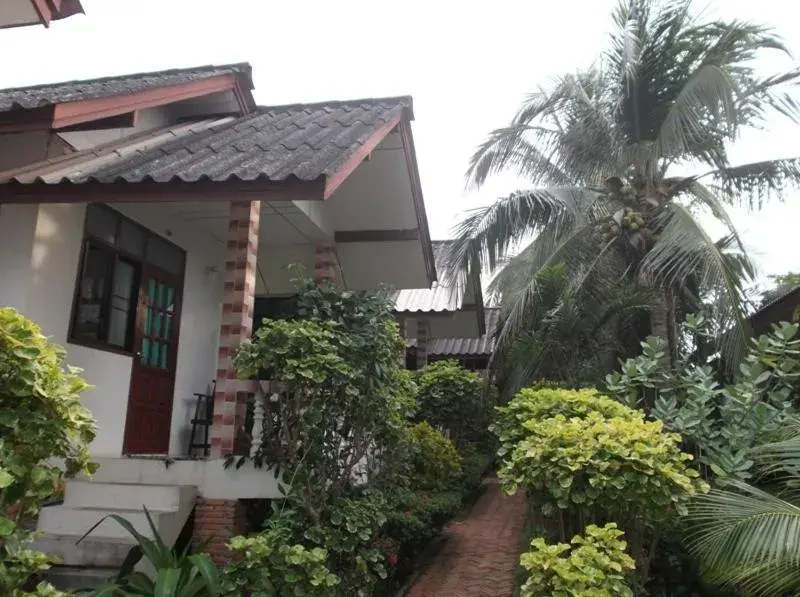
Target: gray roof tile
(273, 143)
(70, 91)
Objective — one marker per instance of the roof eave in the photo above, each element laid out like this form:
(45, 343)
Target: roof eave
(65, 114)
(50, 10)
(416, 192)
(151, 191)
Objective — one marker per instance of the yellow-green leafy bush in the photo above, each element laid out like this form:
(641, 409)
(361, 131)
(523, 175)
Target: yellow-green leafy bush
(41, 418)
(579, 447)
(545, 402)
(594, 565)
(584, 458)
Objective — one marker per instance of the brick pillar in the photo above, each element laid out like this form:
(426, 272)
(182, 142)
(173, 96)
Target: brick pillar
(422, 343)
(326, 266)
(230, 401)
(215, 523)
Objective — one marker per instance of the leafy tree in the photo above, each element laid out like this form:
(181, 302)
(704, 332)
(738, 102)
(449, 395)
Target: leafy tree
(344, 393)
(41, 420)
(454, 399)
(604, 150)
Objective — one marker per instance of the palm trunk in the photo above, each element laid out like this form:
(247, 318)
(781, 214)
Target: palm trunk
(663, 324)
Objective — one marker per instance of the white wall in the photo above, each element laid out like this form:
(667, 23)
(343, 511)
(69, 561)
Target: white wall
(17, 225)
(48, 239)
(56, 245)
(273, 276)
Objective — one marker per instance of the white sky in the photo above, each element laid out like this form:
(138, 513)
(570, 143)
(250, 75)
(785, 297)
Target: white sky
(467, 67)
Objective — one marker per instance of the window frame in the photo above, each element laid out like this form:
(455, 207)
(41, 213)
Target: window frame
(140, 263)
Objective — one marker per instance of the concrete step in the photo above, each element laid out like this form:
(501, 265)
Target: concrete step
(67, 578)
(116, 496)
(90, 553)
(66, 520)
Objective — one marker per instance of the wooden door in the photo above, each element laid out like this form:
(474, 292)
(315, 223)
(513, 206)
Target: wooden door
(147, 426)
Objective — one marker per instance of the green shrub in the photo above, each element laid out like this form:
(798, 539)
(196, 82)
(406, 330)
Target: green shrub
(350, 537)
(453, 398)
(434, 461)
(611, 463)
(718, 424)
(475, 461)
(265, 565)
(41, 419)
(594, 565)
(546, 402)
(415, 517)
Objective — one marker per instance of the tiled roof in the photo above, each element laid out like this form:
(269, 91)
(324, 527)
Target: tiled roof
(305, 141)
(71, 91)
(459, 347)
(441, 296)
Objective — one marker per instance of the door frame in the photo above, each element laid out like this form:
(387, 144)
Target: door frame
(179, 280)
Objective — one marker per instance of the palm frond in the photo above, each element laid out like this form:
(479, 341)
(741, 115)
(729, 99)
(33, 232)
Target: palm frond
(706, 197)
(509, 149)
(484, 237)
(707, 97)
(751, 184)
(683, 251)
(747, 537)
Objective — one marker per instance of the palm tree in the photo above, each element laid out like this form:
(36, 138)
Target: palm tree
(570, 337)
(748, 536)
(601, 149)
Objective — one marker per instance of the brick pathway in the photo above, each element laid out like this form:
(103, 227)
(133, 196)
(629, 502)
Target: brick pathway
(480, 554)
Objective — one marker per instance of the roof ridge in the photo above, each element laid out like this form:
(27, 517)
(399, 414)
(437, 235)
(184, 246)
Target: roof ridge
(241, 66)
(372, 100)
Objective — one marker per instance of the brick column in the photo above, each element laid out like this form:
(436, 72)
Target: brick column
(422, 343)
(230, 401)
(326, 266)
(216, 522)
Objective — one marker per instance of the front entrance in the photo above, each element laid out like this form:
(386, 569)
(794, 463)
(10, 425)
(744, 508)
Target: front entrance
(147, 427)
(128, 301)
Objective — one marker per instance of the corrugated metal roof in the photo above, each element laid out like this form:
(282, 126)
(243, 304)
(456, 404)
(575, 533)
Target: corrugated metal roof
(37, 96)
(459, 347)
(441, 296)
(305, 141)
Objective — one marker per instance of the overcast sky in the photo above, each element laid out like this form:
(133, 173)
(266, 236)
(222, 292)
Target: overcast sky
(467, 67)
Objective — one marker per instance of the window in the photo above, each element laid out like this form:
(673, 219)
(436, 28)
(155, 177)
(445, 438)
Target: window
(115, 253)
(273, 307)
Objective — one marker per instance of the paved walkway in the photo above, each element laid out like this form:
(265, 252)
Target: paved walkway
(480, 553)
